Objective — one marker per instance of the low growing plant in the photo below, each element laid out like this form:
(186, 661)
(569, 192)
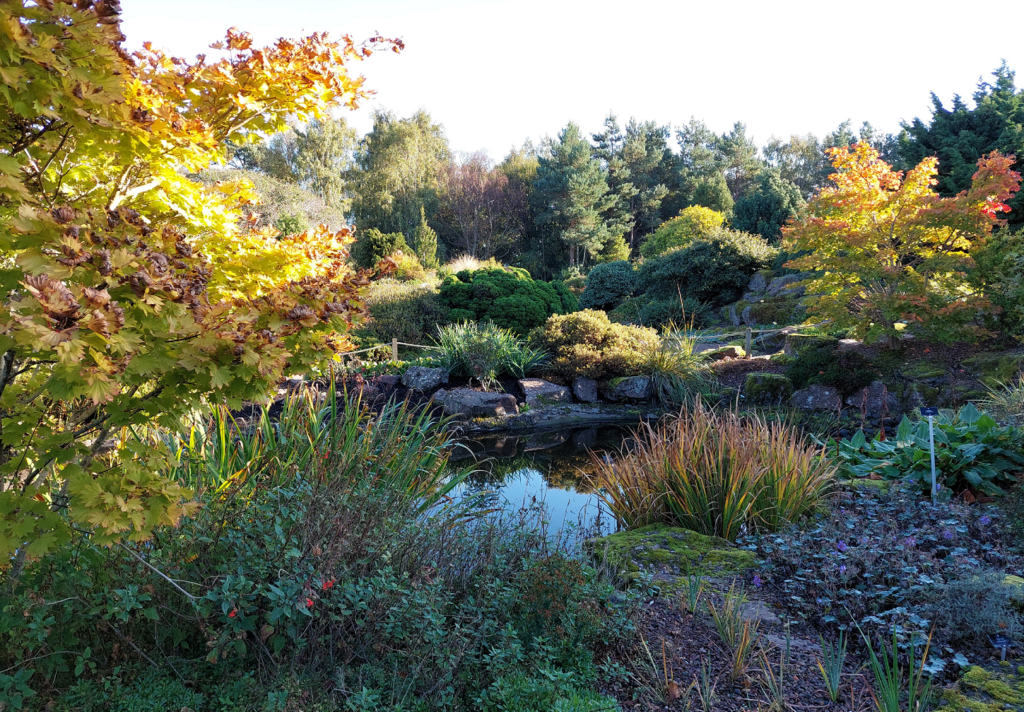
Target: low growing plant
(485, 352)
(587, 344)
(833, 658)
(972, 453)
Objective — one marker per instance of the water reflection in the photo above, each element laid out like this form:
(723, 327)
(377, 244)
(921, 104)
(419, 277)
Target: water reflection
(553, 467)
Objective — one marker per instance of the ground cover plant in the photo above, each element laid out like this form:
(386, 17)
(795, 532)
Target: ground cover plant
(973, 453)
(485, 352)
(326, 567)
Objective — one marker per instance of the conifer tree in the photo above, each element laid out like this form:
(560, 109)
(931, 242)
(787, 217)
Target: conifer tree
(425, 242)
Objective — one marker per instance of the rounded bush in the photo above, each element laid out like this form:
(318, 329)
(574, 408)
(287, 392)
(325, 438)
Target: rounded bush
(373, 245)
(714, 268)
(507, 296)
(587, 344)
(608, 285)
(695, 221)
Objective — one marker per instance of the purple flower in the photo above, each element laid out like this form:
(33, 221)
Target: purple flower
(911, 542)
(947, 534)
(842, 568)
(841, 545)
(985, 521)
(757, 581)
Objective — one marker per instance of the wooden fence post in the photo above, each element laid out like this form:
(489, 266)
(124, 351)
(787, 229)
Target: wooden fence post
(749, 343)
(394, 349)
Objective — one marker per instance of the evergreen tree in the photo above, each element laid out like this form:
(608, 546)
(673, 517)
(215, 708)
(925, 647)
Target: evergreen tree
(960, 135)
(425, 242)
(571, 198)
(711, 192)
(766, 209)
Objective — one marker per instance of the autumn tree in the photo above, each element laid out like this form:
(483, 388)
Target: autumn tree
(130, 296)
(887, 250)
(478, 213)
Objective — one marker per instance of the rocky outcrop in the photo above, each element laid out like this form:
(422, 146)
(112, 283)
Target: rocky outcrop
(421, 378)
(724, 352)
(817, 397)
(476, 404)
(636, 389)
(540, 393)
(585, 390)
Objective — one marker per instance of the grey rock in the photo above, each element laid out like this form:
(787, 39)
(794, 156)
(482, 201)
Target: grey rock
(797, 646)
(540, 393)
(421, 378)
(876, 400)
(632, 388)
(817, 397)
(783, 286)
(755, 612)
(848, 344)
(723, 352)
(477, 404)
(733, 317)
(585, 390)
(758, 284)
(389, 381)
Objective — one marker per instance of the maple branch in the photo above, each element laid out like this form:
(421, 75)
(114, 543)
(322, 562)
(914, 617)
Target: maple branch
(120, 197)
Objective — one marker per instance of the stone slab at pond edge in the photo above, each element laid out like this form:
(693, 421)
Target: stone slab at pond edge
(540, 393)
(631, 388)
(669, 554)
(476, 404)
(563, 416)
(421, 378)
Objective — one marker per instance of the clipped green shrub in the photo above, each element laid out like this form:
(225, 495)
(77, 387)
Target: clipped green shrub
(507, 296)
(713, 268)
(373, 245)
(608, 285)
(662, 312)
(402, 310)
(587, 344)
(694, 221)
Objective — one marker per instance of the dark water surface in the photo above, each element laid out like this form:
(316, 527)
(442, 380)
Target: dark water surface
(514, 471)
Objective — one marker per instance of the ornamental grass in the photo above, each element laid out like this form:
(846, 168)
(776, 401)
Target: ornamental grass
(717, 473)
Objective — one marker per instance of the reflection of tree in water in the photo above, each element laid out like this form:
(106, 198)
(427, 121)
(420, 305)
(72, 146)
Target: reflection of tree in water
(561, 457)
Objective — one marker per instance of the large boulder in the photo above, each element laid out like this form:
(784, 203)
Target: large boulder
(784, 286)
(421, 378)
(756, 287)
(767, 389)
(477, 404)
(631, 388)
(724, 352)
(817, 397)
(585, 390)
(540, 393)
(875, 400)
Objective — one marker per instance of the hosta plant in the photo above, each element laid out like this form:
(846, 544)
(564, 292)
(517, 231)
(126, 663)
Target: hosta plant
(972, 452)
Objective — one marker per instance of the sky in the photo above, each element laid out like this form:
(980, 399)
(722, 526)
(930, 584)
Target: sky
(497, 72)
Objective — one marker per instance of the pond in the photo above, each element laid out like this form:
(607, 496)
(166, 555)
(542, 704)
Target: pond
(513, 471)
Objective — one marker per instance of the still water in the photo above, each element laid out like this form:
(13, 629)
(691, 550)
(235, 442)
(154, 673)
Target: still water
(514, 471)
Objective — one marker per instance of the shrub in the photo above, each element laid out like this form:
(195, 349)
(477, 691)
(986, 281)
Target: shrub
(662, 312)
(507, 296)
(972, 452)
(373, 245)
(969, 609)
(715, 473)
(678, 373)
(695, 221)
(847, 372)
(607, 285)
(331, 531)
(999, 273)
(408, 268)
(402, 310)
(485, 352)
(588, 344)
(713, 268)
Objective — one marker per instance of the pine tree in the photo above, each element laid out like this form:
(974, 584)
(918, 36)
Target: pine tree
(766, 209)
(571, 196)
(425, 242)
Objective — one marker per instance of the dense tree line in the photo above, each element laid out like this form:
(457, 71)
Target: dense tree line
(574, 201)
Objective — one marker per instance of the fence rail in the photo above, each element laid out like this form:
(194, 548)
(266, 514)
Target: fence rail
(395, 343)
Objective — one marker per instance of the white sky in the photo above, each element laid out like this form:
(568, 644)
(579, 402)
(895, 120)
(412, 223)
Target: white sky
(495, 72)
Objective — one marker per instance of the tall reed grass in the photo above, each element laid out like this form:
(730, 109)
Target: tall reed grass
(720, 474)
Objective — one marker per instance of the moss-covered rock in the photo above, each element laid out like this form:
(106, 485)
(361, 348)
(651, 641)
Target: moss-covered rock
(767, 389)
(992, 369)
(797, 344)
(922, 370)
(724, 352)
(670, 552)
(982, 690)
